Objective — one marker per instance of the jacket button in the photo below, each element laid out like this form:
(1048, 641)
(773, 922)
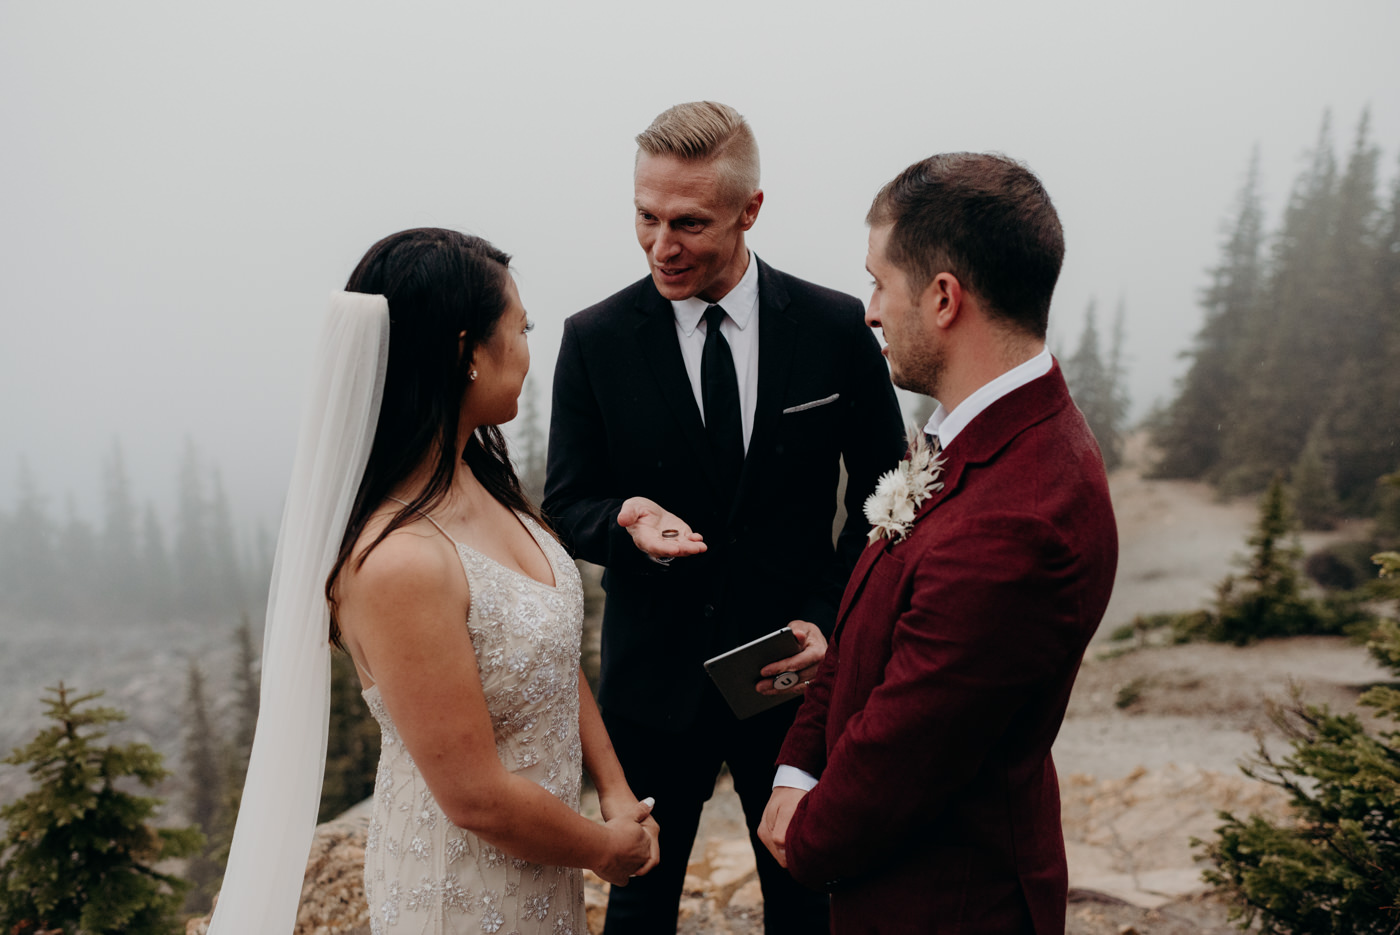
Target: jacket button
(709, 610)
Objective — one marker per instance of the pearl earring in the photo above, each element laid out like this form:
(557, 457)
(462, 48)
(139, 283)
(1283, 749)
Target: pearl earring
(472, 375)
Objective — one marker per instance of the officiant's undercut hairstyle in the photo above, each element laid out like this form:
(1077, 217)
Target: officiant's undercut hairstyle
(703, 131)
(986, 219)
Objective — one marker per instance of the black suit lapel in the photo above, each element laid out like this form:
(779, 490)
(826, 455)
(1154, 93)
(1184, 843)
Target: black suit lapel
(777, 338)
(656, 335)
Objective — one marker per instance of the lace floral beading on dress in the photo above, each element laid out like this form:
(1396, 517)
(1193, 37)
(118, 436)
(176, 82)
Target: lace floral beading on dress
(424, 874)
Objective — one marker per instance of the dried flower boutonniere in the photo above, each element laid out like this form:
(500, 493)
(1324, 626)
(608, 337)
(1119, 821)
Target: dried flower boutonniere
(900, 492)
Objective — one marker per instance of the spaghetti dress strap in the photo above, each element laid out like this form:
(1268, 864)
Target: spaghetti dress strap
(431, 520)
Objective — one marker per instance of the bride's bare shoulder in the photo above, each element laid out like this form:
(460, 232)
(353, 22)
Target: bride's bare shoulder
(414, 556)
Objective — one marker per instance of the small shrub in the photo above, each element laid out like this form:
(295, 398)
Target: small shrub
(1336, 868)
(79, 854)
(1130, 694)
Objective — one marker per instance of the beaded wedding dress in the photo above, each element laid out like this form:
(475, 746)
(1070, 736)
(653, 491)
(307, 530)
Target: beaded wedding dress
(422, 873)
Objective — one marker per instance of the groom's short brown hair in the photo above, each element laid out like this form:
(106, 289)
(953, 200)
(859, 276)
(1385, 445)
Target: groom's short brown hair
(704, 131)
(986, 219)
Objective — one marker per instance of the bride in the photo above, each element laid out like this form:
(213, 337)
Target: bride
(408, 542)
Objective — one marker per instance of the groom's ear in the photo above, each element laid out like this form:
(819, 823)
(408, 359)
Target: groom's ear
(942, 300)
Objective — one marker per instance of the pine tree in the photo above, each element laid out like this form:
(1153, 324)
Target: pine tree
(120, 573)
(1190, 433)
(533, 444)
(204, 792)
(226, 574)
(79, 853)
(193, 561)
(1096, 391)
(1313, 481)
(246, 687)
(1270, 601)
(33, 580)
(1271, 415)
(240, 746)
(1336, 867)
(78, 559)
(352, 745)
(155, 565)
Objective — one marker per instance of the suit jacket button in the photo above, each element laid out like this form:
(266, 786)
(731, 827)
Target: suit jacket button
(709, 610)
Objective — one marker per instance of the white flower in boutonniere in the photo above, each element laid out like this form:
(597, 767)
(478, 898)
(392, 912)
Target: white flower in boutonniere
(899, 493)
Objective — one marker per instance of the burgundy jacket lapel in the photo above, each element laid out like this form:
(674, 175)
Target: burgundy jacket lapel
(994, 428)
(980, 442)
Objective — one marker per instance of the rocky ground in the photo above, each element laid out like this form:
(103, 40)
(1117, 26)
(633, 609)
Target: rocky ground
(1149, 752)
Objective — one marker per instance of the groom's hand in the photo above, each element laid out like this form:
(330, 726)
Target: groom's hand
(658, 532)
(772, 829)
(805, 663)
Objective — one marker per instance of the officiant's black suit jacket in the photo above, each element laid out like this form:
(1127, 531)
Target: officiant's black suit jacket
(625, 423)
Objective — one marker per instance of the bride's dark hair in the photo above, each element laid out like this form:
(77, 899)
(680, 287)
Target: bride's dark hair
(440, 285)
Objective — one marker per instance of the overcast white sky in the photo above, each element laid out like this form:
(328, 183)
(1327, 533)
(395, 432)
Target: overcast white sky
(182, 184)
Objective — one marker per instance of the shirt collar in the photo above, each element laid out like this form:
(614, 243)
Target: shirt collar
(739, 303)
(946, 425)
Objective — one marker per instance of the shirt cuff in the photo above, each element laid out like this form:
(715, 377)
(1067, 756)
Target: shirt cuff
(794, 778)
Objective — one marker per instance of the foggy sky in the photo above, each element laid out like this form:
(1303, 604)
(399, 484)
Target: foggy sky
(181, 186)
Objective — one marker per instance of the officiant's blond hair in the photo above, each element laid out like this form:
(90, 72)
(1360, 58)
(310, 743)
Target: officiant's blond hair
(704, 131)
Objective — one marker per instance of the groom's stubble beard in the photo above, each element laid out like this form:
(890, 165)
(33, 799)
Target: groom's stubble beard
(920, 370)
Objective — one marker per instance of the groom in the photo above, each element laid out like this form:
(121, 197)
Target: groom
(916, 784)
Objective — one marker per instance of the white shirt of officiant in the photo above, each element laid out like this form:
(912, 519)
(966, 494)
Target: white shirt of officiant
(739, 327)
(947, 426)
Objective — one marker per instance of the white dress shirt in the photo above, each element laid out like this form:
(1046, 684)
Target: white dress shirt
(946, 426)
(740, 329)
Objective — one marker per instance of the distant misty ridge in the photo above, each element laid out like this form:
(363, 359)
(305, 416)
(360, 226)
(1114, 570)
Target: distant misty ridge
(126, 564)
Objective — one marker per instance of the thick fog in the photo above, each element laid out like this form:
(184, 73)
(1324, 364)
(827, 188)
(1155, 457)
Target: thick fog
(181, 185)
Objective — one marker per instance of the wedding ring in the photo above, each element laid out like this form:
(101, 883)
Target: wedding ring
(670, 533)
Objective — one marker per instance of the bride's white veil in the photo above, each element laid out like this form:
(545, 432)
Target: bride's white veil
(277, 816)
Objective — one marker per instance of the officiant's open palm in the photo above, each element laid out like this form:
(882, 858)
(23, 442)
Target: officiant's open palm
(657, 531)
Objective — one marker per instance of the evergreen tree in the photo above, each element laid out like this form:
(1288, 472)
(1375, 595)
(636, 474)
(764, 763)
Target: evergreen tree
(80, 567)
(121, 575)
(156, 572)
(79, 853)
(1313, 484)
(1385, 403)
(240, 747)
(1096, 391)
(226, 572)
(533, 444)
(204, 792)
(352, 745)
(1275, 409)
(1190, 432)
(1348, 347)
(1336, 868)
(33, 579)
(1267, 600)
(246, 687)
(193, 561)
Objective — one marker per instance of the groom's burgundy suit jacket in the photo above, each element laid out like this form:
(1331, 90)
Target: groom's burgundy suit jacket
(931, 721)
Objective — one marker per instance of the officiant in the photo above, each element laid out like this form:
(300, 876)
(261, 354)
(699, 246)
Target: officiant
(700, 419)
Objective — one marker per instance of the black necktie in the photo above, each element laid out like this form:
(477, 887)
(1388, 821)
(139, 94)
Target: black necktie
(719, 388)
